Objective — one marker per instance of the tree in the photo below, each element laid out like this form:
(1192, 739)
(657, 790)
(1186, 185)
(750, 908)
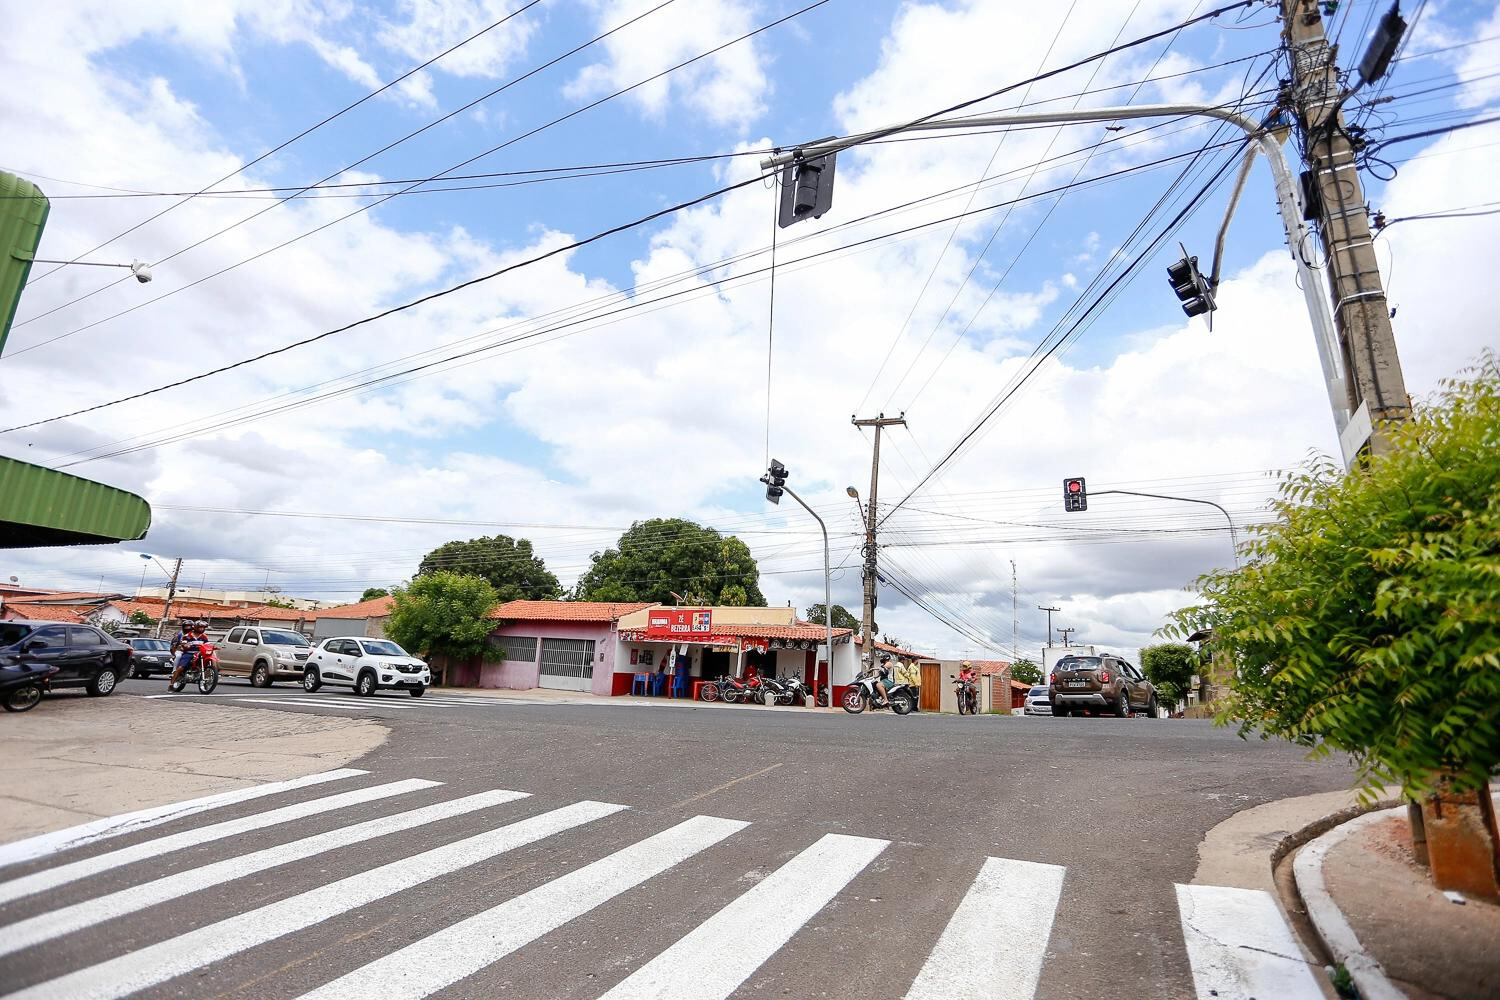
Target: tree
(278, 602)
(507, 563)
(445, 614)
(1170, 666)
(1026, 671)
(1366, 619)
(141, 618)
(655, 559)
(842, 617)
(371, 593)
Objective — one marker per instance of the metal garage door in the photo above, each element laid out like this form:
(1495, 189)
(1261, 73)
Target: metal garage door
(567, 664)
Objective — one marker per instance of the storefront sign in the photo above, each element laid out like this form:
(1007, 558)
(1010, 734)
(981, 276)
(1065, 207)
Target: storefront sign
(679, 623)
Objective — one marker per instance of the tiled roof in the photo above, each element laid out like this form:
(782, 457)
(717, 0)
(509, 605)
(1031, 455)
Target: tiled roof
(377, 607)
(42, 612)
(70, 596)
(895, 650)
(568, 611)
(989, 668)
(269, 613)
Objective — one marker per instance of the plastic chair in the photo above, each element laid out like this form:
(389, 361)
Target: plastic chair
(680, 684)
(658, 684)
(641, 682)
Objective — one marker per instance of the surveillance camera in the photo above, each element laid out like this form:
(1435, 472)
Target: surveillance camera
(141, 270)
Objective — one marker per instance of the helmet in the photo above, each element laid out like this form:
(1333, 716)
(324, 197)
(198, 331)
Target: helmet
(200, 623)
(968, 664)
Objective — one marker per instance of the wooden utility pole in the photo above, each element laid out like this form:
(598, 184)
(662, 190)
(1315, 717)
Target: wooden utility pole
(867, 620)
(1065, 632)
(1049, 621)
(1372, 371)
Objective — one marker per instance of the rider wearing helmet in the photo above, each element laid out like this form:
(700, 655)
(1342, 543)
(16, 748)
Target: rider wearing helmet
(185, 645)
(883, 677)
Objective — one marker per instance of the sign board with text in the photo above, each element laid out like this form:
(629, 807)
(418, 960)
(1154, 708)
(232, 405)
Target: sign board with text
(679, 623)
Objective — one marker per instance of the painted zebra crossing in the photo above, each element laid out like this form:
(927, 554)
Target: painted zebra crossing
(1236, 941)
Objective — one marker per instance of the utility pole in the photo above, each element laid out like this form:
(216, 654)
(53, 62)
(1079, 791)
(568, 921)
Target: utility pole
(867, 620)
(1065, 632)
(166, 608)
(1015, 618)
(1049, 621)
(1372, 371)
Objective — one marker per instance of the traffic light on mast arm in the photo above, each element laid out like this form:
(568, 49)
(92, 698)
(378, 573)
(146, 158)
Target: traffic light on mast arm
(1075, 495)
(806, 189)
(775, 480)
(1191, 287)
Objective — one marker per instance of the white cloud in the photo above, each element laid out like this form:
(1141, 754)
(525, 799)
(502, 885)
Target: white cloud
(432, 26)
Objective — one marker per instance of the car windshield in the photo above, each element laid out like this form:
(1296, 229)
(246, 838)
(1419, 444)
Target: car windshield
(283, 639)
(379, 647)
(154, 645)
(1039, 692)
(1078, 663)
(12, 633)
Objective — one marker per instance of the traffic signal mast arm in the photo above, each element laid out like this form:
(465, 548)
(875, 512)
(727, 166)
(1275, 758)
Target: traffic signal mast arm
(1262, 140)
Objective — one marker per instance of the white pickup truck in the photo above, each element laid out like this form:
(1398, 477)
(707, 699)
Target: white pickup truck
(265, 655)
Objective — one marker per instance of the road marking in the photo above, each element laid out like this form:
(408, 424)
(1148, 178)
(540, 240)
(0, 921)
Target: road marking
(459, 951)
(352, 706)
(1240, 947)
(712, 960)
(112, 826)
(46, 926)
(165, 960)
(993, 947)
(51, 878)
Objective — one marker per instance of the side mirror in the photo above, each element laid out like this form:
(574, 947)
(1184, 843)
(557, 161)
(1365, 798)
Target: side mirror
(33, 646)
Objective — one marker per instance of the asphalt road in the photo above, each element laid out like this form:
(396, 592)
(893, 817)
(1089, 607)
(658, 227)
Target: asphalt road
(1063, 839)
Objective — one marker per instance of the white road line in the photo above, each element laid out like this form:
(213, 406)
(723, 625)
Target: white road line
(1240, 947)
(459, 951)
(993, 947)
(46, 926)
(712, 960)
(351, 706)
(165, 960)
(112, 826)
(51, 878)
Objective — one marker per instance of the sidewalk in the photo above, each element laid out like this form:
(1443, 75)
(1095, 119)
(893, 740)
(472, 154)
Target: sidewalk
(74, 758)
(1427, 946)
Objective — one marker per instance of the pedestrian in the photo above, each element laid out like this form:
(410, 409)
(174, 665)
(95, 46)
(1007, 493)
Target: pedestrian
(909, 675)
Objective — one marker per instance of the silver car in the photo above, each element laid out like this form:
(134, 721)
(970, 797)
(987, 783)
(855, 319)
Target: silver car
(1038, 702)
(264, 655)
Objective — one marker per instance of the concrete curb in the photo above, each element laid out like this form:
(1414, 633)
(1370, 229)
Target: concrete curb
(1328, 920)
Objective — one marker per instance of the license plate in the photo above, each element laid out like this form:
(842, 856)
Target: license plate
(1077, 683)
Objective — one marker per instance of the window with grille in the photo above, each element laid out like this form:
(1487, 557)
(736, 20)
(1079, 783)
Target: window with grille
(568, 657)
(517, 648)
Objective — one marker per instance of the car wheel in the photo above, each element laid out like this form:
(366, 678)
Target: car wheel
(365, 686)
(1122, 707)
(1152, 709)
(311, 680)
(417, 692)
(23, 698)
(104, 683)
(261, 676)
(130, 673)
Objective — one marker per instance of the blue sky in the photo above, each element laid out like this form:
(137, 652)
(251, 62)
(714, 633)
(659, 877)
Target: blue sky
(663, 412)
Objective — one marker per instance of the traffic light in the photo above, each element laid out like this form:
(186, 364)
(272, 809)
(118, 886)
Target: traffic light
(1189, 285)
(1075, 495)
(775, 480)
(806, 189)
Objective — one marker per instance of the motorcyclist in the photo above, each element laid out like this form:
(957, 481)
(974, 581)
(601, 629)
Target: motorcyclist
(967, 677)
(185, 646)
(883, 678)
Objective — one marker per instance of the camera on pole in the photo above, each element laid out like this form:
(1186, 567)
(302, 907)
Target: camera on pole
(806, 188)
(775, 480)
(1075, 495)
(1190, 286)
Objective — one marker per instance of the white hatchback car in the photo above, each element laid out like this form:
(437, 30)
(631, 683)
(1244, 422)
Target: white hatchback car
(366, 665)
(1037, 701)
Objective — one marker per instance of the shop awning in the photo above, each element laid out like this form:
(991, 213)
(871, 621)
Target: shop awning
(41, 506)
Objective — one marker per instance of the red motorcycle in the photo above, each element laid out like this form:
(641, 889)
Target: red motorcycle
(730, 689)
(203, 670)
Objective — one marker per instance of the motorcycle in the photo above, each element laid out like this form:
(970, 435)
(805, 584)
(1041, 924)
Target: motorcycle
(863, 694)
(730, 689)
(823, 696)
(776, 691)
(22, 684)
(968, 697)
(796, 691)
(203, 670)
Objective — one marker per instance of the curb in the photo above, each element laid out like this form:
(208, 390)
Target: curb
(1328, 920)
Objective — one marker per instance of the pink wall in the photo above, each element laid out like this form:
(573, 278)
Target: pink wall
(525, 675)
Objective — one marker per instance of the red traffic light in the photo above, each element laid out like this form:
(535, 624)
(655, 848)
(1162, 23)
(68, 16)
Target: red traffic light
(1075, 486)
(1075, 495)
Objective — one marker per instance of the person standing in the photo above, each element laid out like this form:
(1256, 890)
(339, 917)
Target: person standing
(908, 674)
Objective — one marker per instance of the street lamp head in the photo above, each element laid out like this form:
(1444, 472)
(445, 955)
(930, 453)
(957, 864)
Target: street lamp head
(852, 492)
(145, 555)
(141, 270)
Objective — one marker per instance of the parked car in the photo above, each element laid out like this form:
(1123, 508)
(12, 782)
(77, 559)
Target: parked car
(265, 655)
(148, 656)
(1096, 684)
(84, 656)
(1038, 701)
(366, 665)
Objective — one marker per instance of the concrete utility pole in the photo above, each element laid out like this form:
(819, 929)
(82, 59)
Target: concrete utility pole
(1049, 621)
(166, 608)
(1015, 618)
(1065, 632)
(867, 620)
(1372, 371)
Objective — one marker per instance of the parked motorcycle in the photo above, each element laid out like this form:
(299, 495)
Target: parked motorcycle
(968, 697)
(22, 684)
(203, 670)
(863, 694)
(823, 696)
(730, 689)
(795, 691)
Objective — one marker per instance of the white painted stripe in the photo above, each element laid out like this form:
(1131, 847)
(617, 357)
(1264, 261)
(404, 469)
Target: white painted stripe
(444, 958)
(712, 960)
(46, 844)
(351, 706)
(51, 878)
(46, 926)
(993, 947)
(1240, 947)
(165, 960)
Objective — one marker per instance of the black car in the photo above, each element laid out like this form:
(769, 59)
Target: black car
(84, 656)
(148, 656)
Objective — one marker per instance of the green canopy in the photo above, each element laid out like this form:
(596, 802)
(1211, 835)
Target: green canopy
(41, 506)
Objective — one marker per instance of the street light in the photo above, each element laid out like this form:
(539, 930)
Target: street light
(139, 268)
(776, 473)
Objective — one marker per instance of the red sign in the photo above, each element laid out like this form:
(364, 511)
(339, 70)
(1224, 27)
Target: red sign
(678, 623)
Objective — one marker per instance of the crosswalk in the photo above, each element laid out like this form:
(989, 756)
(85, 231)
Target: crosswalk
(990, 948)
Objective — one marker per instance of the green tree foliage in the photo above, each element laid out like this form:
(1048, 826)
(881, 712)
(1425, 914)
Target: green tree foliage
(1367, 617)
(141, 618)
(444, 614)
(1026, 671)
(662, 556)
(507, 563)
(842, 617)
(371, 593)
(1170, 666)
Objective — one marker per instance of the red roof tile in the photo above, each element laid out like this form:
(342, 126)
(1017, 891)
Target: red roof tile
(42, 612)
(568, 611)
(377, 607)
(896, 650)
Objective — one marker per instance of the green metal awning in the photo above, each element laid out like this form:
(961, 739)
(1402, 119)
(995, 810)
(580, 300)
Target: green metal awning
(41, 506)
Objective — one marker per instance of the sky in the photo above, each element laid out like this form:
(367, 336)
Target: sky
(565, 392)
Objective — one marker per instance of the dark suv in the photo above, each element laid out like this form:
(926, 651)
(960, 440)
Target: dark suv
(1098, 684)
(84, 656)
